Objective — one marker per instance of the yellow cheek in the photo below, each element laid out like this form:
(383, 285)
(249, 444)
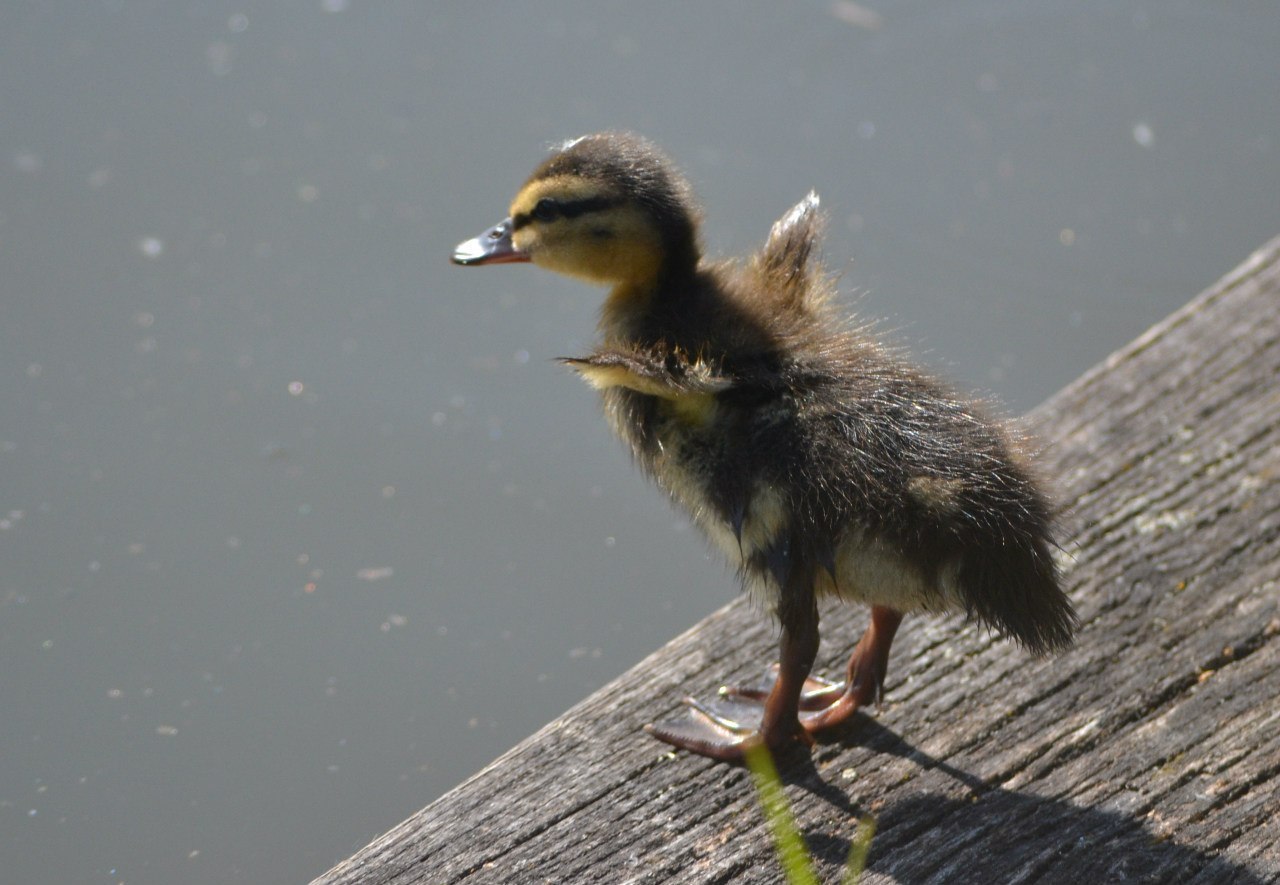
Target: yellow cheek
(614, 259)
(633, 250)
(614, 245)
(633, 260)
(525, 240)
(572, 256)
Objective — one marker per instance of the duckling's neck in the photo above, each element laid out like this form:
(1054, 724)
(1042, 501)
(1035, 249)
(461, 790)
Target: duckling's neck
(627, 316)
(625, 310)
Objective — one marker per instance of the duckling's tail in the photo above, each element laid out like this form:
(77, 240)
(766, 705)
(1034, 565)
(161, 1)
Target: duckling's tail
(784, 260)
(1016, 589)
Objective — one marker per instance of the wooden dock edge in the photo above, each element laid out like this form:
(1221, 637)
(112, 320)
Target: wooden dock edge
(1149, 752)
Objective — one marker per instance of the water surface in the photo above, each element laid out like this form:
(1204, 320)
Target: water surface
(301, 525)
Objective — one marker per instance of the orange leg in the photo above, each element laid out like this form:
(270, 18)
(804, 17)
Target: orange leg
(725, 728)
(796, 704)
(864, 681)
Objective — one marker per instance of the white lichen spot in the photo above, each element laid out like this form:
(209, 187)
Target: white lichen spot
(1167, 519)
(1084, 731)
(1250, 483)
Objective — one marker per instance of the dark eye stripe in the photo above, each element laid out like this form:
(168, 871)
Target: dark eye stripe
(548, 209)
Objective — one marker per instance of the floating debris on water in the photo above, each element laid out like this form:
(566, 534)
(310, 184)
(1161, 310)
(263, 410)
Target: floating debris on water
(151, 247)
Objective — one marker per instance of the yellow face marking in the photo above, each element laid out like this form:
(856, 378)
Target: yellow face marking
(565, 188)
(615, 244)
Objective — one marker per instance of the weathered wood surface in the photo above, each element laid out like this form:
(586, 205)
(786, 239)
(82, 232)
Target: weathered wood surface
(1150, 752)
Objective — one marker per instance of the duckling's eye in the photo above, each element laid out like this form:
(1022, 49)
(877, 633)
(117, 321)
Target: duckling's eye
(546, 209)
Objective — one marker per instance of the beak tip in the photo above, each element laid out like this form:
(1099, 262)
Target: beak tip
(494, 246)
(466, 253)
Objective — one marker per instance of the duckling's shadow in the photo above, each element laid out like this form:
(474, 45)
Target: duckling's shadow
(988, 834)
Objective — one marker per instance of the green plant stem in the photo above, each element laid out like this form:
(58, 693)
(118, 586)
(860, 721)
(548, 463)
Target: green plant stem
(792, 852)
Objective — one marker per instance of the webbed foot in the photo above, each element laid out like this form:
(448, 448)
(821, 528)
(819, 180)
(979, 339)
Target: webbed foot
(816, 694)
(725, 727)
(784, 710)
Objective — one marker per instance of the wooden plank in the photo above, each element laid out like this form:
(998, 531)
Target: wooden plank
(1150, 752)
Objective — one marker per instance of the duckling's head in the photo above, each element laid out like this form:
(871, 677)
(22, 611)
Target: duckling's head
(609, 208)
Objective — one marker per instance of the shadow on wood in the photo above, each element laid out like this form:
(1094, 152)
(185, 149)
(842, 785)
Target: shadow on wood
(1040, 839)
(1148, 752)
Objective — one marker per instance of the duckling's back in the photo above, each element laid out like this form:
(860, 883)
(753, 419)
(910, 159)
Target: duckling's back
(798, 442)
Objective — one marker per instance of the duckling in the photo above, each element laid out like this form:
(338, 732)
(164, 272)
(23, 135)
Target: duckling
(817, 459)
